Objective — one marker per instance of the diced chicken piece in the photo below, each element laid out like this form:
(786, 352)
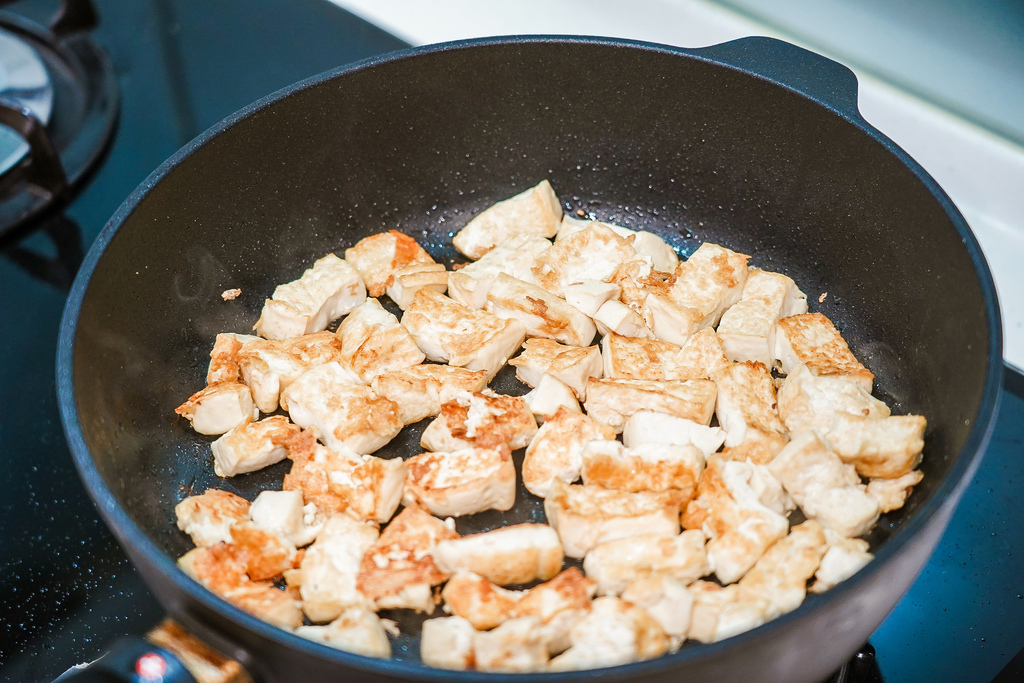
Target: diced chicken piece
(661, 255)
(666, 600)
(746, 406)
(408, 279)
(373, 342)
(702, 354)
(398, 571)
(809, 402)
(219, 408)
(571, 365)
(517, 646)
(592, 253)
(812, 340)
(514, 554)
(650, 467)
(559, 604)
(268, 367)
(543, 313)
(844, 558)
(515, 256)
(720, 613)
(645, 427)
(356, 630)
(891, 494)
(377, 257)
(283, 513)
(730, 512)
(208, 518)
(474, 598)
(224, 358)
(252, 446)
(556, 452)
(462, 482)
(344, 414)
(447, 643)
(613, 401)
(758, 447)
(251, 555)
(614, 565)
(589, 295)
(420, 391)
(324, 293)
(570, 225)
(613, 632)
(639, 358)
(536, 211)
(615, 317)
(585, 516)
(780, 577)
(326, 578)
(449, 332)
(888, 447)
(550, 395)
(366, 487)
(637, 279)
(483, 419)
(747, 329)
(826, 489)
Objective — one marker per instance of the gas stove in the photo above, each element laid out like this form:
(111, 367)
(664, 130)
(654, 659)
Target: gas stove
(163, 71)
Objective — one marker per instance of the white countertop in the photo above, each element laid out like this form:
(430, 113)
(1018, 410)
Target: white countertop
(981, 172)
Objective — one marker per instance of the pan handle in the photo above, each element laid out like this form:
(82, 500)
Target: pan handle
(820, 78)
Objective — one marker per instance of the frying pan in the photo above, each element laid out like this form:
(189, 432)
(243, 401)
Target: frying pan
(753, 144)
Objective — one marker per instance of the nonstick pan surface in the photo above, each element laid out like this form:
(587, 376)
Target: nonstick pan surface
(756, 145)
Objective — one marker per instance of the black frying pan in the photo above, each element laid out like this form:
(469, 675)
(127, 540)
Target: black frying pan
(754, 144)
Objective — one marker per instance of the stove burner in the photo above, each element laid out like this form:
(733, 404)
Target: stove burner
(24, 83)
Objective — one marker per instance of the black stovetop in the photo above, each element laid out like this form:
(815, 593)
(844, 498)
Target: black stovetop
(66, 588)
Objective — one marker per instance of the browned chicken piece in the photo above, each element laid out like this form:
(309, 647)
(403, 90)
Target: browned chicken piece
(559, 604)
(252, 446)
(614, 565)
(720, 613)
(615, 317)
(585, 516)
(544, 314)
(515, 256)
(813, 341)
(779, 577)
(481, 419)
(356, 630)
(809, 402)
(844, 558)
(447, 643)
(268, 367)
(556, 452)
(592, 253)
(667, 601)
(514, 554)
(373, 342)
(462, 482)
(283, 512)
(702, 354)
(208, 517)
(398, 571)
(892, 493)
(224, 357)
(613, 632)
(571, 365)
(747, 329)
(536, 211)
(747, 411)
(516, 646)
(377, 257)
(420, 391)
(636, 280)
(883, 448)
(636, 358)
(589, 295)
(483, 604)
(646, 426)
(613, 401)
(548, 396)
(650, 467)
(266, 554)
(219, 408)
(407, 280)
(647, 245)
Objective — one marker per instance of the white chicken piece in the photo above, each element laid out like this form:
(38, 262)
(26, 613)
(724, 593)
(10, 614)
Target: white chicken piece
(484, 419)
(810, 339)
(377, 257)
(420, 391)
(720, 613)
(585, 516)
(356, 630)
(729, 511)
(224, 357)
(520, 553)
(252, 446)
(208, 517)
(614, 565)
(883, 448)
(613, 401)
(326, 577)
(810, 402)
(746, 406)
(398, 572)
(548, 396)
(646, 426)
(702, 354)
(543, 313)
(571, 365)
(570, 224)
(324, 293)
(449, 332)
(219, 408)
(592, 253)
(447, 643)
(826, 489)
(408, 279)
(779, 577)
(556, 452)
(667, 601)
(662, 256)
(559, 604)
(373, 343)
(589, 295)
(615, 317)
(844, 558)
(365, 487)
(640, 358)
(462, 482)
(650, 467)
(345, 415)
(536, 211)
(747, 329)
(613, 632)
(283, 513)
(515, 256)
(517, 646)
(477, 600)
(637, 279)
(268, 367)
(892, 493)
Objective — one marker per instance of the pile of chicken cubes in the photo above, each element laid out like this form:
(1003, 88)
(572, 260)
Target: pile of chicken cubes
(682, 527)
